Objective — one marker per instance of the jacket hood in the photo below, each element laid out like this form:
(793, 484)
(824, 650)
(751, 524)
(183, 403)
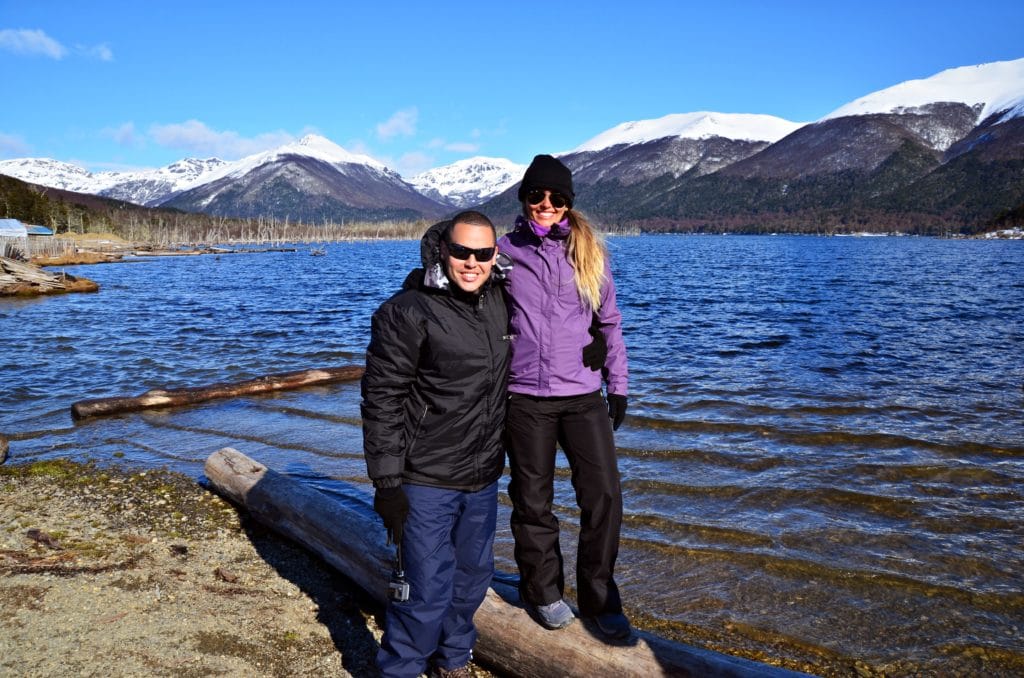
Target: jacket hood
(434, 275)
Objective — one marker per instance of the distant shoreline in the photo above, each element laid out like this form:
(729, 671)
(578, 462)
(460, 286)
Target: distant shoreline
(100, 248)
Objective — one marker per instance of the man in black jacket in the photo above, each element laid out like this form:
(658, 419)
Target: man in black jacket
(433, 409)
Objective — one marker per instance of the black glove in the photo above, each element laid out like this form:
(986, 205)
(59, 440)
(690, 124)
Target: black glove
(616, 409)
(595, 353)
(392, 505)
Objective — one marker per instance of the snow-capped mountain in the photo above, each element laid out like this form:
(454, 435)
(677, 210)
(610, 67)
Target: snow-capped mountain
(49, 172)
(931, 115)
(674, 145)
(312, 180)
(468, 182)
(950, 145)
(152, 187)
(949, 148)
(700, 125)
(996, 87)
(311, 146)
(142, 187)
(860, 143)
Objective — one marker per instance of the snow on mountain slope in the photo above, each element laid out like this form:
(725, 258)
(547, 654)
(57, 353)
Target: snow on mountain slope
(143, 187)
(468, 182)
(311, 146)
(996, 86)
(699, 125)
(49, 172)
(151, 187)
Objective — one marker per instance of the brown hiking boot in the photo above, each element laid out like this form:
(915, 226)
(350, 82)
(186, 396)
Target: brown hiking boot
(461, 672)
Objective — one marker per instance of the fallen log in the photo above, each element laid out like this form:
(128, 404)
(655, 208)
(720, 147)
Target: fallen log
(190, 396)
(351, 539)
(77, 258)
(4, 447)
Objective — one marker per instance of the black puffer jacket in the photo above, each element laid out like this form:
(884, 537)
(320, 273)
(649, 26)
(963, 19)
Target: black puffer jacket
(434, 389)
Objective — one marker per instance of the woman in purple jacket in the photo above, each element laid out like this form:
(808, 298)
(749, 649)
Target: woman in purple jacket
(561, 284)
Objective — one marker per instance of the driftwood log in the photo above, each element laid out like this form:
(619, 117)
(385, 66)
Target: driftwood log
(3, 449)
(351, 540)
(18, 279)
(199, 394)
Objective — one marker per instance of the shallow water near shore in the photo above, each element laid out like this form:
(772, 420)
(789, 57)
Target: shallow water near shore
(823, 458)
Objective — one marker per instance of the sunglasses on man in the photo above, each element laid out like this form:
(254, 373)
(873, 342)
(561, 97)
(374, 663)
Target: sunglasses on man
(461, 252)
(557, 200)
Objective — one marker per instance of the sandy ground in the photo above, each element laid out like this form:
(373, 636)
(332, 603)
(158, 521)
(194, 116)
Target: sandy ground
(106, 572)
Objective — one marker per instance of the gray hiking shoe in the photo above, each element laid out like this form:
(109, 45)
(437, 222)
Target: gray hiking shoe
(556, 615)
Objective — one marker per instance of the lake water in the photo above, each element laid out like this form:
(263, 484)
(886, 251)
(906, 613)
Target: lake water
(823, 459)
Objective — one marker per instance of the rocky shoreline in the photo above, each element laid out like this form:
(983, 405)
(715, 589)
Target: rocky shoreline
(115, 572)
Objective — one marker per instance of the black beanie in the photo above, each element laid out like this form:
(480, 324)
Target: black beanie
(548, 172)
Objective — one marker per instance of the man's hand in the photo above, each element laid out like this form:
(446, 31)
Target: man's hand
(616, 409)
(392, 505)
(595, 353)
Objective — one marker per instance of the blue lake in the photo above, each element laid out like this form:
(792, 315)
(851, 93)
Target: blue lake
(823, 458)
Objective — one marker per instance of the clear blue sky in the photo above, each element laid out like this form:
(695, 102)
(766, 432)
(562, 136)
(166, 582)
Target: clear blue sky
(119, 85)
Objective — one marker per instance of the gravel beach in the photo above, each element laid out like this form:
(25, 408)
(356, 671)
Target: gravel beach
(112, 572)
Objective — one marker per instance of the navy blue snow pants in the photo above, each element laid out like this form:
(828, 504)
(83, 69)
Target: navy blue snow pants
(448, 554)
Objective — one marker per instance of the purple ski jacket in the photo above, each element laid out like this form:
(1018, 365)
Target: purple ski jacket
(549, 322)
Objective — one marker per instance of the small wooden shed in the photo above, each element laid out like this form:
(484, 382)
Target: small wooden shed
(13, 239)
(21, 241)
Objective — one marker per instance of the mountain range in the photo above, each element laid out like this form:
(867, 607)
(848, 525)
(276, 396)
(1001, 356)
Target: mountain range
(941, 153)
(468, 182)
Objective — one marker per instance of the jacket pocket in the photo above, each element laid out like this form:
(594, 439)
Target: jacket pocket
(417, 430)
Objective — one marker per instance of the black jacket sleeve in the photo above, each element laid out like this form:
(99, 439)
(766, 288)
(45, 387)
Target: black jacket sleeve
(396, 337)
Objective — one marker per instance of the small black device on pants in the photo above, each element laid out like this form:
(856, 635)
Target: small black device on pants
(398, 587)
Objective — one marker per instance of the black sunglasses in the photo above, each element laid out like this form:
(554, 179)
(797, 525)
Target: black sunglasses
(557, 200)
(461, 252)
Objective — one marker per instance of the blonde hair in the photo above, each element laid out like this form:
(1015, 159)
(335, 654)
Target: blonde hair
(587, 254)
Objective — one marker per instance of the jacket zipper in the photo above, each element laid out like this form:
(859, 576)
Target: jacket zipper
(482, 320)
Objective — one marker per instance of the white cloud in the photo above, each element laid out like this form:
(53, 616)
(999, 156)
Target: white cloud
(124, 135)
(101, 52)
(462, 147)
(360, 147)
(12, 146)
(31, 43)
(194, 136)
(453, 146)
(414, 163)
(357, 146)
(402, 123)
(28, 42)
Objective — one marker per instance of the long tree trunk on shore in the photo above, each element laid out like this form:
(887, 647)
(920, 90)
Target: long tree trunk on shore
(351, 539)
(199, 394)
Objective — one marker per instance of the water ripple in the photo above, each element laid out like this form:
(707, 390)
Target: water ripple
(823, 439)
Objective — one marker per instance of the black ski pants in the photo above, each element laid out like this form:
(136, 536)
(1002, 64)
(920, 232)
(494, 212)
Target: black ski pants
(580, 424)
